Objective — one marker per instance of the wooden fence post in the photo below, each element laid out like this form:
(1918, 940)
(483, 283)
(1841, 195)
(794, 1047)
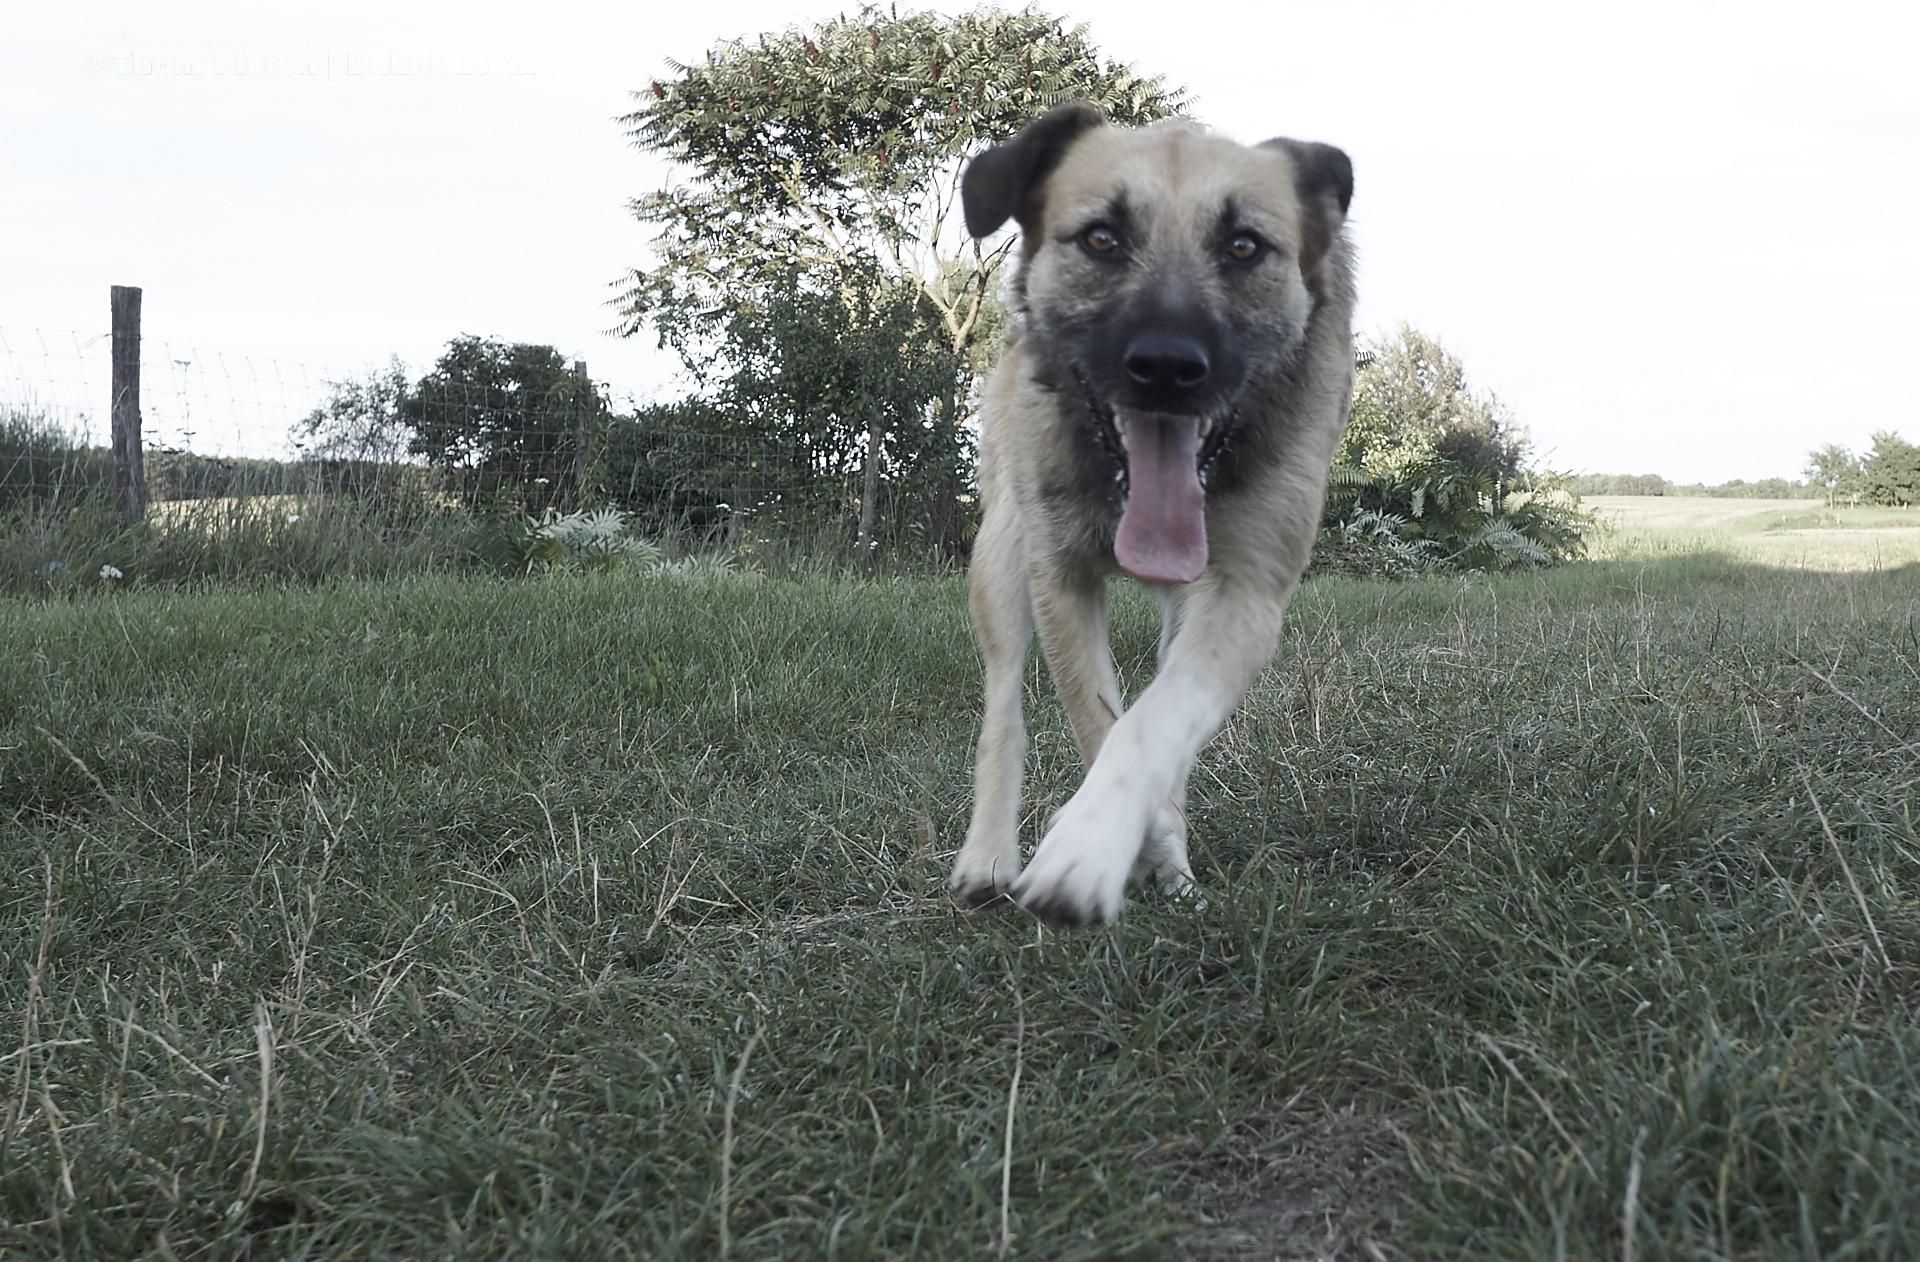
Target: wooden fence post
(582, 434)
(129, 464)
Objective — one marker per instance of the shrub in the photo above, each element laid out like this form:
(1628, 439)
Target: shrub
(1412, 402)
(43, 463)
(1432, 514)
(1431, 475)
(517, 545)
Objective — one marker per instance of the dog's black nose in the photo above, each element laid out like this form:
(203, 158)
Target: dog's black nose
(1166, 362)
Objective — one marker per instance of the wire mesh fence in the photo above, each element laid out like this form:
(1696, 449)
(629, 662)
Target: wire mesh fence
(238, 433)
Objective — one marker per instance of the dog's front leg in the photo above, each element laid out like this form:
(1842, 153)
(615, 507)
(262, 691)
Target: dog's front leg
(1003, 622)
(1079, 873)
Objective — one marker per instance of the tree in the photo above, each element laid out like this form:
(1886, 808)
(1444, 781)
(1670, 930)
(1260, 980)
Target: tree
(826, 392)
(1890, 473)
(362, 419)
(511, 418)
(1411, 402)
(356, 444)
(849, 381)
(1835, 468)
(835, 150)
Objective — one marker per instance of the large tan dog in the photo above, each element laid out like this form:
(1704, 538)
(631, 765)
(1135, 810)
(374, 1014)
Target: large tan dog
(1178, 385)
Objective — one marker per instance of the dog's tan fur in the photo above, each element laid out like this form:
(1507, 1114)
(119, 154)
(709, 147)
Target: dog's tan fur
(1051, 478)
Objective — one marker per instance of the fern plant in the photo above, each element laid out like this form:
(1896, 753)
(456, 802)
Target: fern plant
(1429, 513)
(595, 539)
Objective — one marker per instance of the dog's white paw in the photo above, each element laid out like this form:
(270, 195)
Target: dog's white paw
(984, 872)
(1079, 874)
(1163, 859)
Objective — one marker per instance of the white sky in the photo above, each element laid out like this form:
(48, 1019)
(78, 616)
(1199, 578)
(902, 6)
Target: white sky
(1673, 237)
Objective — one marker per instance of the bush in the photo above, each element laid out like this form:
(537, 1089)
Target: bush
(517, 545)
(683, 467)
(1434, 515)
(1431, 475)
(44, 464)
(1412, 402)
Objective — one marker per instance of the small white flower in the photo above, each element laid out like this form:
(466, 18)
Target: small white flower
(109, 573)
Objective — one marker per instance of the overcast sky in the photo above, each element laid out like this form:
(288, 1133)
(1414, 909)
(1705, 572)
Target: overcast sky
(1672, 237)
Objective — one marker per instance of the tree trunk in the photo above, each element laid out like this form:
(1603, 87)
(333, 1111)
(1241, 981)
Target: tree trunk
(870, 490)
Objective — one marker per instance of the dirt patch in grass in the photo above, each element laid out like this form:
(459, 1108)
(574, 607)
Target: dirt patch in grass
(1311, 1188)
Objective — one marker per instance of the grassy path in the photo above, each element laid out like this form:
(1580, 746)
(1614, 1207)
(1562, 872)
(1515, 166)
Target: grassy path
(438, 917)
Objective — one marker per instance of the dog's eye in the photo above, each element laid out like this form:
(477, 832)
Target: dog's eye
(1243, 248)
(1101, 240)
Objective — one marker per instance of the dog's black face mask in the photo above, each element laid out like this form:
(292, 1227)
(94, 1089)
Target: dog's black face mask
(1161, 358)
(1159, 382)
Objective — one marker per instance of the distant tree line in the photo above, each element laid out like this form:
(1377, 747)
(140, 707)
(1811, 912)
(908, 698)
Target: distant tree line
(1654, 484)
(45, 464)
(1619, 484)
(1887, 475)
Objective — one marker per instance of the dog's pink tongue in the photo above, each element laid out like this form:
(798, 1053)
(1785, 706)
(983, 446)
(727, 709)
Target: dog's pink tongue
(1163, 529)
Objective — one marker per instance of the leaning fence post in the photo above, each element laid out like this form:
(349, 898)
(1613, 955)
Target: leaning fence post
(129, 471)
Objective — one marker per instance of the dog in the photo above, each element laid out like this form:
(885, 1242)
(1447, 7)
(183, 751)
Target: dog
(1176, 384)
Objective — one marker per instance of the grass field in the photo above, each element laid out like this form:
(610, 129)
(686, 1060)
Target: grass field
(1557, 915)
(1781, 534)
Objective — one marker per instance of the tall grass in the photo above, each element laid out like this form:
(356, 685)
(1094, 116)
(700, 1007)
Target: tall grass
(261, 540)
(46, 465)
(247, 522)
(437, 916)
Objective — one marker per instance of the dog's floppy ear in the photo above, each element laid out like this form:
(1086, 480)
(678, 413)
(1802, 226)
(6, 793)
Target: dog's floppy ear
(1323, 179)
(1003, 183)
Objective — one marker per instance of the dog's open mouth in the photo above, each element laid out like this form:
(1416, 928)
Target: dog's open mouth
(1163, 528)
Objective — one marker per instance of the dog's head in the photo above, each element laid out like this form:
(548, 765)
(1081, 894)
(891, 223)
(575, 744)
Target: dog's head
(1165, 272)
